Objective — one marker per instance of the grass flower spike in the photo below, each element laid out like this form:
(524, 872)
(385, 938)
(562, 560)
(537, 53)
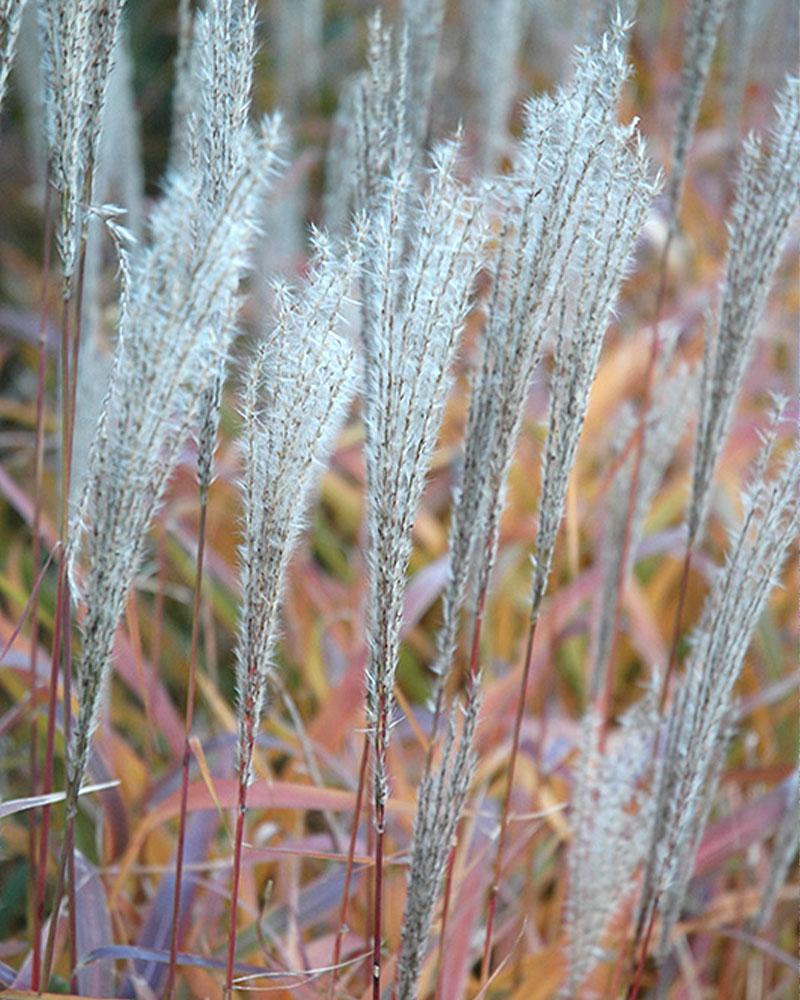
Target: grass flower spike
(296, 394)
(422, 254)
(767, 198)
(169, 343)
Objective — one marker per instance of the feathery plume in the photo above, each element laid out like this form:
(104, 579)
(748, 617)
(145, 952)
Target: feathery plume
(767, 197)
(422, 254)
(78, 39)
(10, 21)
(297, 391)
(169, 343)
(551, 216)
(621, 192)
(382, 121)
(703, 20)
(224, 41)
(440, 801)
(382, 140)
(117, 179)
(618, 195)
(602, 14)
(697, 724)
(612, 812)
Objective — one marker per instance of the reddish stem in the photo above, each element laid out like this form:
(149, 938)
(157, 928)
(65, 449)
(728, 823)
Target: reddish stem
(343, 907)
(380, 821)
(73, 909)
(54, 915)
(38, 461)
(237, 872)
(190, 699)
(512, 764)
(636, 984)
(47, 780)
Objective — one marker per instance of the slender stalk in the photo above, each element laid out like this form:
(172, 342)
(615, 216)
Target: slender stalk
(636, 983)
(66, 862)
(69, 841)
(36, 554)
(512, 764)
(47, 781)
(676, 632)
(451, 858)
(73, 909)
(343, 907)
(60, 630)
(70, 348)
(49, 952)
(237, 872)
(380, 824)
(190, 699)
(369, 900)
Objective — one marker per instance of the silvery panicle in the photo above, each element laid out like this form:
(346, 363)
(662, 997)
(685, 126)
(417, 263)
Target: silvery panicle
(169, 344)
(297, 391)
(78, 38)
(10, 21)
(382, 121)
(118, 181)
(440, 801)
(622, 192)
(382, 138)
(611, 816)
(223, 39)
(552, 213)
(703, 20)
(767, 197)
(698, 720)
(602, 14)
(674, 396)
(422, 253)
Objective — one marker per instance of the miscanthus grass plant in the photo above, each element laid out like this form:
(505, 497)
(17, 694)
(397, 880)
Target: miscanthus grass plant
(433, 517)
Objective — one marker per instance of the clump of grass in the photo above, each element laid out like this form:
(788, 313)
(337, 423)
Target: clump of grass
(505, 252)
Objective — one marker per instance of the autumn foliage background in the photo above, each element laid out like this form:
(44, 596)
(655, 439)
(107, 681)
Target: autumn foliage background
(309, 751)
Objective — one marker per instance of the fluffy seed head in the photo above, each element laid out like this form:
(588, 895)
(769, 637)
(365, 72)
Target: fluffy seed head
(296, 395)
